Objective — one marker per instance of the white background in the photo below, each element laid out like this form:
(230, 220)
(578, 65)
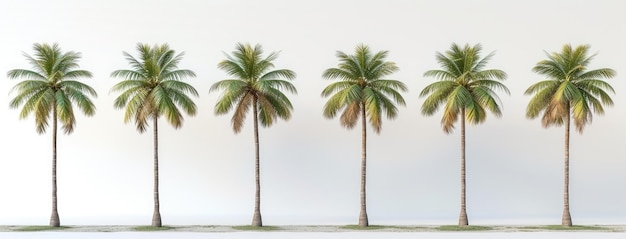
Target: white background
(310, 165)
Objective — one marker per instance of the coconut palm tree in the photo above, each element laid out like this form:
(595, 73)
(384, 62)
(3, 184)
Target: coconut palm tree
(254, 84)
(570, 92)
(152, 88)
(51, 90)
(362, 91)
(467, 91)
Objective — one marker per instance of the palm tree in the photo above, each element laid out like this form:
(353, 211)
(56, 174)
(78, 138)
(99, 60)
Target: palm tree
(467, 90)
(570, 92)
(363, 91)
(153, 87)
(51, 89)
(255, 84)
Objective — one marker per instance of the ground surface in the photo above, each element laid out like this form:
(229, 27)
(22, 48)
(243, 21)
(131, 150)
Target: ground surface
(328, 228)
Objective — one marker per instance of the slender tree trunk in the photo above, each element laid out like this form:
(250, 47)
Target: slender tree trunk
(256, 217)
(54, 218)
(363, 221)
(567, 218)
(156, 216)
(463, 221)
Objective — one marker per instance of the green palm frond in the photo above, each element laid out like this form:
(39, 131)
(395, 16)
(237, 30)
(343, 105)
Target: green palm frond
(25, 90)
(277, 85)
(65, 111)
(336, 102)
(26, 74)
(77, 94)
(267, 110)
(129, 75)
(488, 99)
(154, 87)
(229, 99)
(390, 88)
(335, 87)
(342, 74)
(463, 86)
(598, 88)
(361, 85)
(52, 84)
(440, 74)
(136, 100)
(373, 108)
(42, 106)
(439, 93)
(165, 106)
(177, 75)
(278, 74)
(129, 89)
(599, 74)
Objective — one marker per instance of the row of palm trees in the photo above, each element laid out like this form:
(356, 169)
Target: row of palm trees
(154, 87)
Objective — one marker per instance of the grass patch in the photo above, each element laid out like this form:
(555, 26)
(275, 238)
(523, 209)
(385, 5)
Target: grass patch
(151, 228)
(255, 228)
(40, 228)
(565, 228)
(454, 228)
(372, 227)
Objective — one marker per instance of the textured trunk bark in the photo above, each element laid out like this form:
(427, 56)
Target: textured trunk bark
(156, 216)
(363, 220)
(567, 218)
(463, 221)
(256, 217)
(54, 217)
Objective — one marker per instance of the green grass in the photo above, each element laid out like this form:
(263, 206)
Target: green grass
(564, 228)
(455, 228)
(255, 228)
(357, 227)
(151, 228)
(40, 228)
(375, 227)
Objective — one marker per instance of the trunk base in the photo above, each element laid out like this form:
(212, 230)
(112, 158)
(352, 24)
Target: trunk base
(363, 221)
(567, 218)
(256, 219)
(54, 219)
(463, 221)
(156, 219)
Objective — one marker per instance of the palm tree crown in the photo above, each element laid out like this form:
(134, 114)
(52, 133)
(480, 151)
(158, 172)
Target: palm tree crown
(154, 87)
(464, 85)
(52, 84)
(254, 84)
(362, 86)
(570, 87)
